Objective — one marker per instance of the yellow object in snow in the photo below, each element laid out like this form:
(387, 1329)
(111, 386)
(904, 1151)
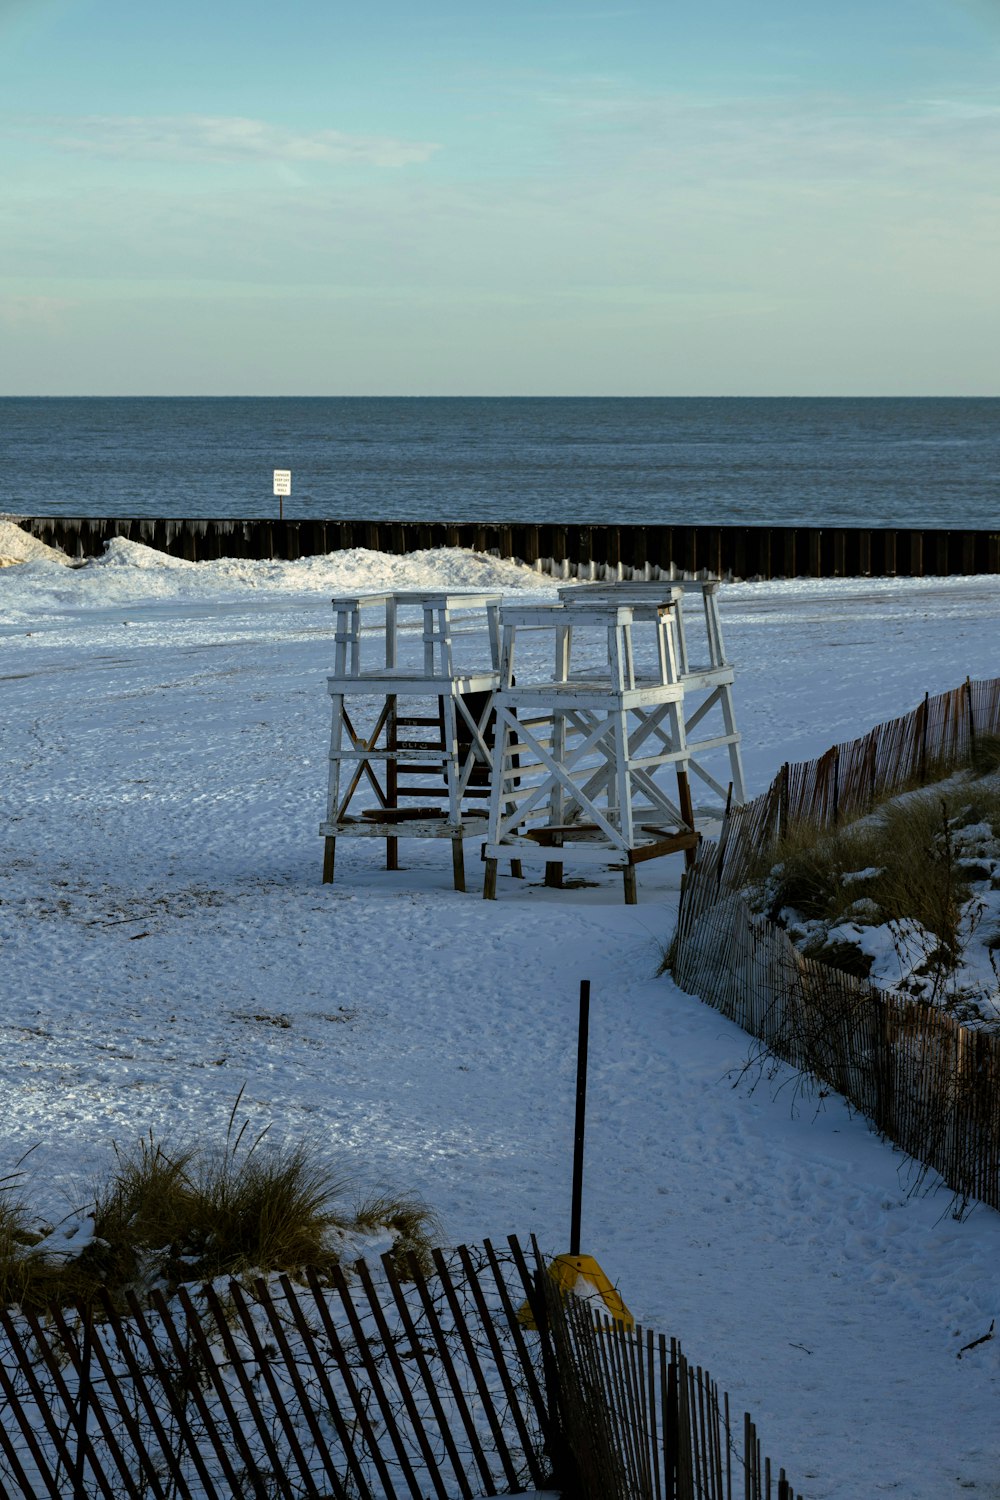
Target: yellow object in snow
(581, 1276)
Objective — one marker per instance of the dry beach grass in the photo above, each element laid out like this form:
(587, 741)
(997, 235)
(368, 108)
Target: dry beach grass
(168, 1215)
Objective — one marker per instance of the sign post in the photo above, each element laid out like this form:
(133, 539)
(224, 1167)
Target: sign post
(282, 487)
(575, 1274)
(583, 1035)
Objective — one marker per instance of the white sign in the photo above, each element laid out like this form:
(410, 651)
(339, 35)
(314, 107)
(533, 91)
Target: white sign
(282, 481)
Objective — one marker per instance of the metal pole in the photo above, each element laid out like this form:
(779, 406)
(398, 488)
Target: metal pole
(581, 1115)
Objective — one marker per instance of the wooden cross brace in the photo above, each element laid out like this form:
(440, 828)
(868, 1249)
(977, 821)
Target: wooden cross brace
(364, 767)
(559, 775)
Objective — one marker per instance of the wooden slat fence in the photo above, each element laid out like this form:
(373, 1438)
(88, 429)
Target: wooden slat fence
(368, 1387)
(848, 780)
(637, 1421)
(926, 1082)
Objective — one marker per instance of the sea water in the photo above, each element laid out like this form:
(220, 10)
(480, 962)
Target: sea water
(665, 461)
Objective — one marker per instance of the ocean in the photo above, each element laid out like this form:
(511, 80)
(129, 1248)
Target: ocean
(671, 461)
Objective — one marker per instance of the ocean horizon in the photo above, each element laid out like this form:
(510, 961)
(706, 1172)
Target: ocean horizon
(681, 460)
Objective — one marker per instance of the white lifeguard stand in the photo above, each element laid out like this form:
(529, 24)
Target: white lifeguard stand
(705, 672)
(417, 733)
(580, 757)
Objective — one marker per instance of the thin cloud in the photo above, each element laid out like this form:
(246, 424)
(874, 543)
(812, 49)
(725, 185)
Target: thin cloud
(228, 139)
(962, 109)
(34, 312)
(809, 140)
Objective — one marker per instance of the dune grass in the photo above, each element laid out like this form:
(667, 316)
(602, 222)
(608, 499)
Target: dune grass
(166, 1216)
(904, 861)
(16, 1237)
(415, 1226)
(984, 757)
(898, 864)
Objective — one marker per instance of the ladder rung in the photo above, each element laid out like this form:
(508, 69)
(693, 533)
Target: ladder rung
(439, 791)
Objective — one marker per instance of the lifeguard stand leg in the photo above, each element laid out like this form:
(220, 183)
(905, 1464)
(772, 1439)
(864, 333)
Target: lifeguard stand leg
(686, 810)
(458, 864)
(449, 738)
(333, 785)
(557, 805)
(391, 780)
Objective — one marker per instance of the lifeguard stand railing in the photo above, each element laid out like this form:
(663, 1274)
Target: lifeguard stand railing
(412, 700)
(580, 755)
(704, 670)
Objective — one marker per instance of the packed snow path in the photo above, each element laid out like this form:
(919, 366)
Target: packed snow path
(165, 939)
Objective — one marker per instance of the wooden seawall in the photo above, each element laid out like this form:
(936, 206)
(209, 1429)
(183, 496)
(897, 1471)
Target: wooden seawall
(566, 551)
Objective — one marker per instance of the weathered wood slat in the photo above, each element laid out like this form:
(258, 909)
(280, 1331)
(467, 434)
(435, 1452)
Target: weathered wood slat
(83, 1450)
(332, 1406)
(473, 1361)
(377, 1384)
(430, 1385)
(23, 1414)
(141, 1388)
(487, 1325)
(94, 1348)
(306, 1407)
(402, 1382)
(527, 1364)
(355, 1390)
(15, 1469)
(454, 1383)
(263, 1362)
(172, 1393)
(250, 1478)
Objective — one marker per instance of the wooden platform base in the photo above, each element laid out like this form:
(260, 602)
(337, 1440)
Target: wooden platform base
(588, 844)
(411, 823)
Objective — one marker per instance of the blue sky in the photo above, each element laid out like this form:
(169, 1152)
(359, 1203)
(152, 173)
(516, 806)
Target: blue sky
(547, 198)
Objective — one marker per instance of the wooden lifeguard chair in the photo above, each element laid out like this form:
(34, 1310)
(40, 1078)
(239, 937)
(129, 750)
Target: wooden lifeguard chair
(580, 757)
(703, 667)
(418, 730)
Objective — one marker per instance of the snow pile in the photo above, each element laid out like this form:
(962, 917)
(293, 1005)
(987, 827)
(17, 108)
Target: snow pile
(130, 573)
(19, 546)
(120, 553)
(356, 571)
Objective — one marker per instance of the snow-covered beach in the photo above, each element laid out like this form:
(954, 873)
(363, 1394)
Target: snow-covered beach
(165, 939)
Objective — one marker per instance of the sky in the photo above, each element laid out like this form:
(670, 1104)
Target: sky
(549, 197)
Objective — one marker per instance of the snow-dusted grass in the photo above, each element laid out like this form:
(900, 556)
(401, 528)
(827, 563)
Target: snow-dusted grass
(165, 1215)
(166, 939)
(908, 896)
(15, 1236)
